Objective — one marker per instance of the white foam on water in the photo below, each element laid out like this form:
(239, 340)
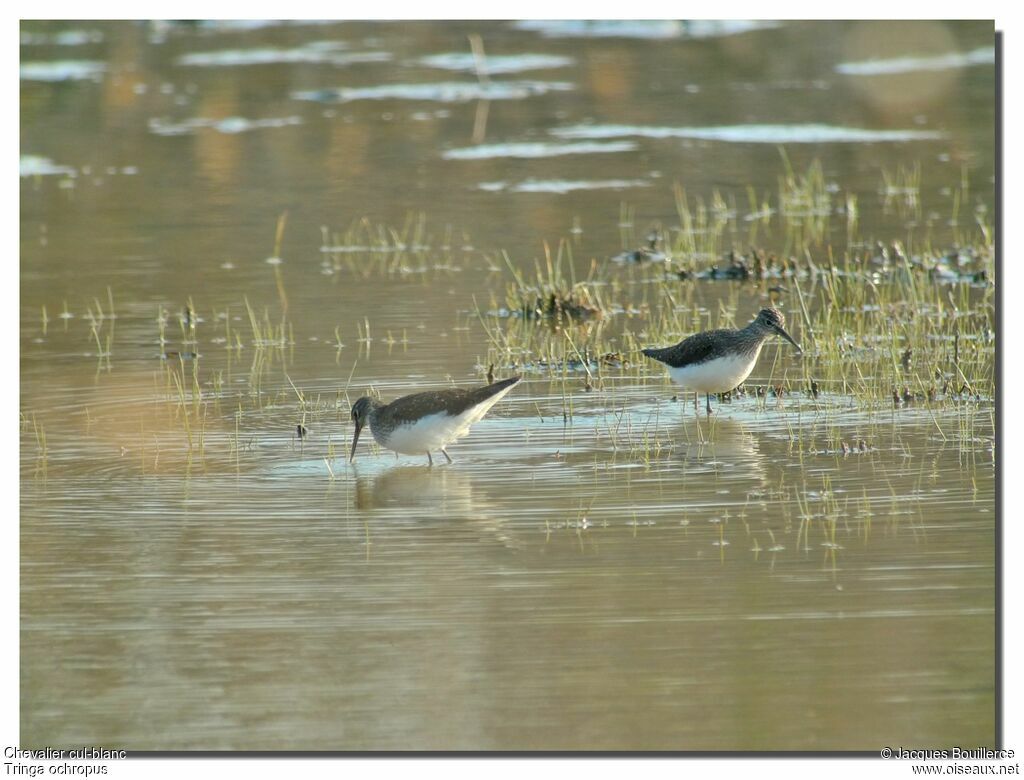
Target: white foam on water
(985, 55)
(443, 92)
(494, 65)
(230, 125)
(63, 70)
(62, 38)
(652, 29)
(33, 165)
(317, 52)
(560, 186)
(536, 150)
(753, 133)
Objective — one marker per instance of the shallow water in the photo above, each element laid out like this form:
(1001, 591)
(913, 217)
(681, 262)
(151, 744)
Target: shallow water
(600, 568)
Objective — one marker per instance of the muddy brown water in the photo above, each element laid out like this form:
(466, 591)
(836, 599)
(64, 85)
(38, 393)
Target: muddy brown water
(597, 570)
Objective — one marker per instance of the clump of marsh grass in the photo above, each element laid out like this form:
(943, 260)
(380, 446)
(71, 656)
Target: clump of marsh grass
(890, 326)
(266, 333)
(901, 191)
(805, 206)
(551, 294)
(699, 236)
(366, 248)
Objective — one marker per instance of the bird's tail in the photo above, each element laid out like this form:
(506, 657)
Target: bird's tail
(501, 384)
(495, 389)
(654, 352)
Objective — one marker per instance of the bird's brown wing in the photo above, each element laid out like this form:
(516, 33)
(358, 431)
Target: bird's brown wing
(690, 351)
(453, 401)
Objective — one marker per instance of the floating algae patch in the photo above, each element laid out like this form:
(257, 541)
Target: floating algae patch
(63, 70)
(535, 150)
(752, 134)
(560, 186)
(495, 65)
(442, 92)
(986, 55)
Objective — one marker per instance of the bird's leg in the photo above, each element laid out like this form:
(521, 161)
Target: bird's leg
(696, 400)
(709, 404)
(430, 459)
(445, 453)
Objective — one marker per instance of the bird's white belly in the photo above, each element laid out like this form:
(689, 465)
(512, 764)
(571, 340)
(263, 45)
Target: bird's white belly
(428, 433)
(714, 376)
(437, 430)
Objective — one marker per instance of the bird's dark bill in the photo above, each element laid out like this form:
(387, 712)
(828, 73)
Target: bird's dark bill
(787, 337)
(355, 441)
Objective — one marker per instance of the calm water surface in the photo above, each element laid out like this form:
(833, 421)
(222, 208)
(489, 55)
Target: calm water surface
(599, 569)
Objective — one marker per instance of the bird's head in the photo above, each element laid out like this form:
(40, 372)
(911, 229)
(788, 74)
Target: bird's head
(360, 414)
(772, 322)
